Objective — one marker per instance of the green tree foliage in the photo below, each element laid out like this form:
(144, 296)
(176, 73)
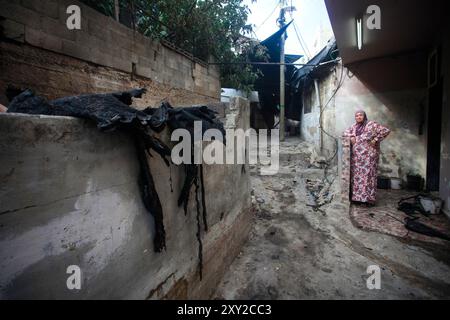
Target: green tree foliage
(212, 30)
(104, 6)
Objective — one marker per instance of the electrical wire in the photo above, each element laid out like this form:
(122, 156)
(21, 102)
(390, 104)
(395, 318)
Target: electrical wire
(301, 41)
(277, 63)
(301, 37)
(328, 161)
(336, 146)
(265, 20)
(341, 81)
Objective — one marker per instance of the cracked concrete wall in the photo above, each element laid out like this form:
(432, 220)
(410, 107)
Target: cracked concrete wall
(38, 51)
(69, 196)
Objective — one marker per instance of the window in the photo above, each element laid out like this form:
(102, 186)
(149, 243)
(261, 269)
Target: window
(308, 100)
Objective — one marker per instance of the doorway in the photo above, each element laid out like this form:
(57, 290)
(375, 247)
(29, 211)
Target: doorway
(434, 135)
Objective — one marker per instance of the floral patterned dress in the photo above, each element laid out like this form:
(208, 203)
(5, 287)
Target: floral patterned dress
(364, 161)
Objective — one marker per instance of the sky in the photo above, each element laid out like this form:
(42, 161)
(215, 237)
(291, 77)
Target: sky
(310, 16)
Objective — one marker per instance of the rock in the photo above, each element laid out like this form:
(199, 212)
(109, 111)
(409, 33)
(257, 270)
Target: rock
(260, 200)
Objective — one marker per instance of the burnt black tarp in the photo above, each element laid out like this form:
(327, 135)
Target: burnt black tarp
(268, 85)
(302, 77)
(327, 54)
(110, 111)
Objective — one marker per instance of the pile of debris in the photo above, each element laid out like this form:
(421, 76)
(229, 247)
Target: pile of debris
(425, 205)
(400, 213)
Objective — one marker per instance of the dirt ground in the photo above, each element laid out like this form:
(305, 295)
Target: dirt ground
(296, 252)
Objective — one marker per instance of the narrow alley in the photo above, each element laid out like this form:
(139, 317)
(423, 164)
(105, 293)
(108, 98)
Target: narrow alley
(295, 252)
(226, 150)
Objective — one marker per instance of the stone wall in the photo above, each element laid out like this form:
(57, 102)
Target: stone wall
(69, 196)
(104, 56)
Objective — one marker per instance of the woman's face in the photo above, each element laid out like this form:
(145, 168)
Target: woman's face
(359, 117)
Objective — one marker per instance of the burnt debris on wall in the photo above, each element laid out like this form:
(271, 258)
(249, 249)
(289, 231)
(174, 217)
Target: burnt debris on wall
(113, 111)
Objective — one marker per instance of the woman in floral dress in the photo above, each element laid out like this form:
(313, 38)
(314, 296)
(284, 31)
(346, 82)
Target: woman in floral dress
(365, 137)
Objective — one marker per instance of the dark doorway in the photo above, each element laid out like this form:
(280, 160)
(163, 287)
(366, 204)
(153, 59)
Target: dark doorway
(434, 135)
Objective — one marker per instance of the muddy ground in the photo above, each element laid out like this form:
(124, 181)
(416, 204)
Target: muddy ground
(297, 252)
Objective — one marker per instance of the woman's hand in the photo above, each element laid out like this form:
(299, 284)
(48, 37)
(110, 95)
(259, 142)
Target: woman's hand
(353, 140)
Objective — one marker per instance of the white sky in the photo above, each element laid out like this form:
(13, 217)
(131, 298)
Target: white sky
(309, 17)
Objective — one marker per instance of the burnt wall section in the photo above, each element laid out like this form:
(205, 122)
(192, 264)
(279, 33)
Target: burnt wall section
(126, 56)
(393, 93)
(69, 196)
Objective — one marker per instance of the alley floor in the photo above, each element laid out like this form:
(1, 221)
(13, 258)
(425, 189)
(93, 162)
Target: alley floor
(298, 251)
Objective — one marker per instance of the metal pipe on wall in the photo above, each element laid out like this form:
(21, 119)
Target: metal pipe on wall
(316, 86)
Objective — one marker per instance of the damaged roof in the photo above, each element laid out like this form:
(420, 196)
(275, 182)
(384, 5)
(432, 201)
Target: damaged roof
(268, 85)
(326, 55)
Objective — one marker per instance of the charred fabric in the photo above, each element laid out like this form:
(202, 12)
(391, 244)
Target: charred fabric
(111, 111)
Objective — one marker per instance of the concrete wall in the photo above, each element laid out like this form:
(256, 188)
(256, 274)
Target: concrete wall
(309, 121)
(105, 53)
(392, 91)
(69, 196)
